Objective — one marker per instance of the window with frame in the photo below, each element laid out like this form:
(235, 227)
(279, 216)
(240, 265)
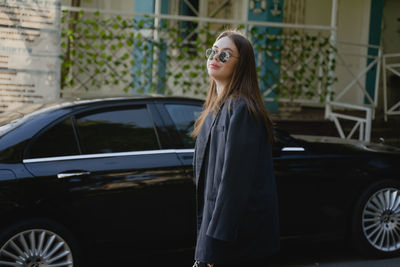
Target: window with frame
(59, 140)
(184, 117)
(117, 130)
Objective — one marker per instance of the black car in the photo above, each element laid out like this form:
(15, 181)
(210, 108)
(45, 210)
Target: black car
(77, 175)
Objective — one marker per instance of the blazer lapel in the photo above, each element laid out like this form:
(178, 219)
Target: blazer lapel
(208, 124)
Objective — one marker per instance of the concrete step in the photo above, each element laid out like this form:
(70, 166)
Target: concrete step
(306, 120)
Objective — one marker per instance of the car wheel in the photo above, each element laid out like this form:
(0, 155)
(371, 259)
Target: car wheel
(38, 243)
(376, 224)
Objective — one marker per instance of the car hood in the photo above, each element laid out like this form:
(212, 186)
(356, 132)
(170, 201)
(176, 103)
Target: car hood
(354, 144)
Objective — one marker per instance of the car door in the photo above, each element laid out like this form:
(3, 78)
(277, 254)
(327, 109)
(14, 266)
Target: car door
(178, 118)
(117, 184)
(308, 189)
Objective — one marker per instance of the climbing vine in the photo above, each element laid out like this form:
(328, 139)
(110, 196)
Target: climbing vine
(132, 55)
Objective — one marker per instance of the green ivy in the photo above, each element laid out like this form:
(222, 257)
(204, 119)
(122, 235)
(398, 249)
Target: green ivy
(100, 50)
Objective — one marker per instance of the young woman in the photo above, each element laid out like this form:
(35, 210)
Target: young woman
(237, 212)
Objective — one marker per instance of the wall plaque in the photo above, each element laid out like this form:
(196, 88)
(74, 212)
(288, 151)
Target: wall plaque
(29, 52)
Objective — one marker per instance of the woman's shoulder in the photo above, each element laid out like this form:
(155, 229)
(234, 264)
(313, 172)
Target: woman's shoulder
(237, 103)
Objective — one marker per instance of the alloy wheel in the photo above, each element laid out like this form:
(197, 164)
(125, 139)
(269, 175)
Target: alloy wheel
(36, 248)
(381, 220)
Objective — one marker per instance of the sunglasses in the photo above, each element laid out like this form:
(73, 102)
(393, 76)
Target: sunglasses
(222, 56)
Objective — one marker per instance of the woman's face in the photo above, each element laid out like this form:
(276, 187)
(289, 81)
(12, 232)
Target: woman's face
(218, 70)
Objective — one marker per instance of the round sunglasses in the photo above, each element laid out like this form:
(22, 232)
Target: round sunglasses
(222, 56)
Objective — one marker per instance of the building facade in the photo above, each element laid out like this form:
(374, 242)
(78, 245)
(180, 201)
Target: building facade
(361, 32)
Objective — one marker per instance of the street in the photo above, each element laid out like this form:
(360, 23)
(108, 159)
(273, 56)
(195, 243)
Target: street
(326, 255)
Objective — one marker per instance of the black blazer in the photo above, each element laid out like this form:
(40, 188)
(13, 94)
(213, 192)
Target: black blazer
(237, 208)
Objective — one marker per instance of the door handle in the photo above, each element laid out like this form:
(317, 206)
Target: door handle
(71, 174)
(293, 149)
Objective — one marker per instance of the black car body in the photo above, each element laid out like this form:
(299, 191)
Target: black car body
(119, 171)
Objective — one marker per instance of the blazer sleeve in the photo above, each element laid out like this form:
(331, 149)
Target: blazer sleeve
(238, 173)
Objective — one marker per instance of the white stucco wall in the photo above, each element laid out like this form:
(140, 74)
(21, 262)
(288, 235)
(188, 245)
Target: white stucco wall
(123, 5)
(391, 45)
(318, 12)
(391, 26)
(353, 26)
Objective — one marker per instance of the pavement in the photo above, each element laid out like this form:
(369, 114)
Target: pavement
(321, 254)
(328, 255)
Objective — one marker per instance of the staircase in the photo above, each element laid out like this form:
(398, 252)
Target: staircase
(302, 120)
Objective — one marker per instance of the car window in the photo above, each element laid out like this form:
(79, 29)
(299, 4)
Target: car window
(120, 130)
(59, 140)
(15, 117)
(184, 117)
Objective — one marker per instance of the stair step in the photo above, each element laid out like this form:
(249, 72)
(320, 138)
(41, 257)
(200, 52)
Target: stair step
(311, 121)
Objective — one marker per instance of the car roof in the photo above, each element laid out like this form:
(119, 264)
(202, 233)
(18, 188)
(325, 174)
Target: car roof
(79, 101)
(68, 102)
(17, 116)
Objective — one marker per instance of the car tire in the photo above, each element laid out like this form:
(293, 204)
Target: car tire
(38, 242)
(376, 220)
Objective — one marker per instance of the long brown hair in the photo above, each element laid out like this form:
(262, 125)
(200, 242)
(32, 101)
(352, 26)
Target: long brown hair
(244, 84)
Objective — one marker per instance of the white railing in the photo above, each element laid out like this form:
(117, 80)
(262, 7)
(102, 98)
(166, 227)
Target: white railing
(201, 19)
(395, 69)
(336, 108)
(356, 77)
(363, 123)
(289, 70)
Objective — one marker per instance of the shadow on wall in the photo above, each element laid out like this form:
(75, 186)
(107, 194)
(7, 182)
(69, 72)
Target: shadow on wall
(398, 30)
(394, 83)
(394, 80)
